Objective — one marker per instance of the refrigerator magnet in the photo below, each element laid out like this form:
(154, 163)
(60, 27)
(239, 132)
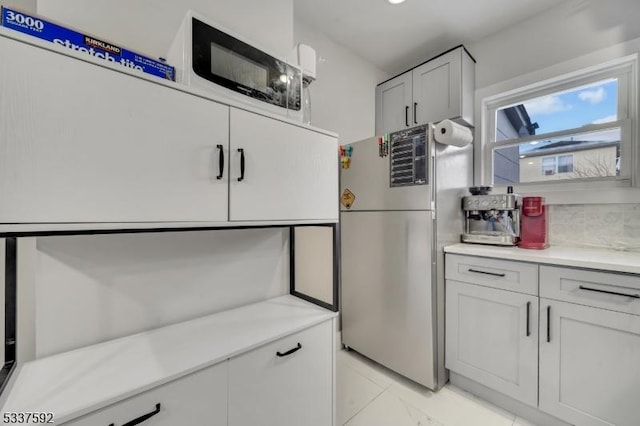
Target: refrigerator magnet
(347, 198)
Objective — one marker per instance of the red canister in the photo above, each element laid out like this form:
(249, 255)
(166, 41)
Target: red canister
(533, 223)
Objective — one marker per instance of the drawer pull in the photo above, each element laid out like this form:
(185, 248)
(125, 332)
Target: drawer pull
(290, 351)
(635, 296)
(142, 418)
(528, 319)
(488, 273)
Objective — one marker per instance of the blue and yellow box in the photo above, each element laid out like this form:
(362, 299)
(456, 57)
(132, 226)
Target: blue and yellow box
(40, 28)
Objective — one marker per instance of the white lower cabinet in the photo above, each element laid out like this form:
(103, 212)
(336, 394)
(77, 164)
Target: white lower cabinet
(285, 383)
(197, 399)
(581, 362)
(589, 364)
(492, 338)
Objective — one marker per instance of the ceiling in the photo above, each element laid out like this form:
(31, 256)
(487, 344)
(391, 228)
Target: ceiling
(395, 38)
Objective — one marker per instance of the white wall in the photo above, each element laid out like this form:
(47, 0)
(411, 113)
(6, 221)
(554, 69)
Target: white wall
(570, 30)
(24, 5)
(94, 288)
(343, 96)
(149, 26)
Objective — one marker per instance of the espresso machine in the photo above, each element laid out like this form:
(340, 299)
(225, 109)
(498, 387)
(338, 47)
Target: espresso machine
(491, 218)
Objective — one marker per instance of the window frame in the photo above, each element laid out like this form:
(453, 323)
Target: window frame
(572, 156)
(625, 69)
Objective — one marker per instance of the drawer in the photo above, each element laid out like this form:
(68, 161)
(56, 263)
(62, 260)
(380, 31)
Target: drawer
(504, 274)
(197, 399)
(617, 292)
(285, 383)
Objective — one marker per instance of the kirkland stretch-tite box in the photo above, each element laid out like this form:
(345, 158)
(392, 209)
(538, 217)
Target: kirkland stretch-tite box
(38, 27)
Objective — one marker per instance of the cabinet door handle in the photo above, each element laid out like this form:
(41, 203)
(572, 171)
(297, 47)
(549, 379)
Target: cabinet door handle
(635, 296)
(548, 323)
(406, 115)
(241, 151)
(528, 319)
(220, 161)
(488, 273)
(415, 108)
(142, 418)
(290, 351)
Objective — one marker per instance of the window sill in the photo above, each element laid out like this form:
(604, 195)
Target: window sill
(602, 192)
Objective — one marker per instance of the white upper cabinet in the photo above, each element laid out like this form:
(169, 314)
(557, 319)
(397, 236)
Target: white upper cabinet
(442, 88)
(393, 104)
(82, 143)
(290, 173)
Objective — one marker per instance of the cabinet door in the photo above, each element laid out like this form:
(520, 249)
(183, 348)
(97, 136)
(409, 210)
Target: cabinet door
(492, 338)
(437, 88)
(589, 364)
(83, 143)
(273, 386)
(197, 399)
(290, 172)
(394, 105)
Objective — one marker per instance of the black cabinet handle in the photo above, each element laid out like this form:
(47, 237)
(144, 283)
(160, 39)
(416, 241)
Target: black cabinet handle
(241, 151)
(141, 418)
(487, 273)
(220, 161)
(406, 115)
(635, 296)
(290, 351)
(528, 319)
(548, 323)
(415, 109)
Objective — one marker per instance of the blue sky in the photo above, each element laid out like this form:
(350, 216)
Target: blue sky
(591, 104)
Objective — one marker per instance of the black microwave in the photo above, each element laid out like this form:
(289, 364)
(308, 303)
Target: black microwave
(212, 58)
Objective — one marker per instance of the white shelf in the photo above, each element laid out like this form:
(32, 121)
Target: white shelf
(602, 259)
(75, 383)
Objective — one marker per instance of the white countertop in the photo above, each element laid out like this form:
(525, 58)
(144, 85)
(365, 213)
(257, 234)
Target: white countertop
(603, 259)
(75, 383)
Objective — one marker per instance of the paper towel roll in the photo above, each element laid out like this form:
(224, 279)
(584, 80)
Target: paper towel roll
(449, 133)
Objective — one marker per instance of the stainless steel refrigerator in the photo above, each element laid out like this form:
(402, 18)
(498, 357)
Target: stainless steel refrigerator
(400, 206)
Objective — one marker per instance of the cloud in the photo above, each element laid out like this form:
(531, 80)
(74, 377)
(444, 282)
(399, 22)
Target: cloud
(546, 105)
(593, 96)
(607, 119)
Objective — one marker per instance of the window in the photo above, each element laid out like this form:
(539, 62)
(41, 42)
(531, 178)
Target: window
(573, 128)
(548, 166)
(565, 163)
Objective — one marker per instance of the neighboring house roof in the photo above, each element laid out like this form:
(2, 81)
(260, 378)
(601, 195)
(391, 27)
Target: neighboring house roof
(520, 120)
(568, 146)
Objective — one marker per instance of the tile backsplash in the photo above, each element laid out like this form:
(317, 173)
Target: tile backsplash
(595, 225)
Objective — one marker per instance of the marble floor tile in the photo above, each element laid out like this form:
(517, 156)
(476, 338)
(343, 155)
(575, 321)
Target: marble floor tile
(452, 406)
(371, 395)
(354, 392)
(389, 410)
(373, 371)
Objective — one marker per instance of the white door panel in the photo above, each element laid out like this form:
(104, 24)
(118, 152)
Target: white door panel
(291, 173)
(492, 338)
(89, 144)
(589, 364)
